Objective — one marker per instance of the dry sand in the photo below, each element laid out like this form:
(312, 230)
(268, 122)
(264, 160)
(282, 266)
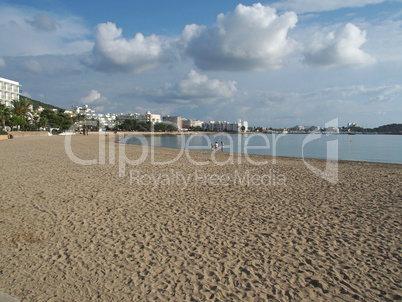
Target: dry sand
(70, 232)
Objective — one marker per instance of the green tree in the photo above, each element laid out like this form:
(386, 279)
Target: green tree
(5, 115)
(171, 128)
(128, 125)
(21, 107)
(78, 118)
(391, 128)
(35, 122)
(21, 110)
(60, 120)
(18, 121)
(160, 127)
(144, 126)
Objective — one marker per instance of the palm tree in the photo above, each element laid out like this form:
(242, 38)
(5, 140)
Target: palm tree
(21, 109)
(35, 121)
(5, 114)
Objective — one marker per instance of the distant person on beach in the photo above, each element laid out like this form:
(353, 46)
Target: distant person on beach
(212, 147)
(216, 146)
(222, 146)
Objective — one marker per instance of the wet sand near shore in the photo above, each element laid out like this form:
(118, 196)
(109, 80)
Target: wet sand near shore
(111, 230)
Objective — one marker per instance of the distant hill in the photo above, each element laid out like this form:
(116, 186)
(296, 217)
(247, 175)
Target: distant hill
(36, 104)
(391, 128)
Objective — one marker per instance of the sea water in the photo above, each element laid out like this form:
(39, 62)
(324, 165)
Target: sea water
(359, 147)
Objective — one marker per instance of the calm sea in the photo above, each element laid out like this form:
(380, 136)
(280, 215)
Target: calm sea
(359, 147)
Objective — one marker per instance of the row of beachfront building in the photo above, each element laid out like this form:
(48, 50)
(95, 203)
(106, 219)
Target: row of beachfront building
(10, 90)
(110, 120)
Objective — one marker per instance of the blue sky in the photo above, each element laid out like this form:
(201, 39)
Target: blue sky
(272, 63)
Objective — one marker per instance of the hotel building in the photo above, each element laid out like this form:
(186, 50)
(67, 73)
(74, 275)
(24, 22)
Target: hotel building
(9, 90)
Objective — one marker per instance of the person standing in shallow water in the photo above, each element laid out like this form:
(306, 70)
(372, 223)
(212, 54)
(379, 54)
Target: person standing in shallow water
(216, 146)
(222, 146)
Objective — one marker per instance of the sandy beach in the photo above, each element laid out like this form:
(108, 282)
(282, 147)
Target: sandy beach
(113, 231)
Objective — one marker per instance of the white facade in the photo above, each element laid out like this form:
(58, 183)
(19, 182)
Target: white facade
(176, 120)
(85, 110)
(150, 117)
(225, 126)
(129, 116)
(192, 123)
(9, 90)
(145, 117)
(107, 120)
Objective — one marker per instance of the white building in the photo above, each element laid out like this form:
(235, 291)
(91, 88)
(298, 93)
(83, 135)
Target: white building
(145, 117)
(192, 123)
(150, 117)
(237, 126)
(107, 120)
(332, 130)
(85, 110)
(9, 90)
(175, 120)
(226, 126)
(128, 116)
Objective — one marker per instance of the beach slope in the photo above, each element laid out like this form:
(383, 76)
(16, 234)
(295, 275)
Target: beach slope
(106, 230)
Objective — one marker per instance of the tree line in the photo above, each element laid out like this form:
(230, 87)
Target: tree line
(386, 129)
(135, 125)
(20, 116)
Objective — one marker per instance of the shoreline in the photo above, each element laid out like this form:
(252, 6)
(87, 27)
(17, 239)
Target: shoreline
(22, 134)
(82, 232)
(271, 156)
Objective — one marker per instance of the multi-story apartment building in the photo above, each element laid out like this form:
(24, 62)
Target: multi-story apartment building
(226, 126)
(150, 117)
(192, 123)
(107, 120)
(176, 120)
(128, 116)
(144, 117)
(9, 90)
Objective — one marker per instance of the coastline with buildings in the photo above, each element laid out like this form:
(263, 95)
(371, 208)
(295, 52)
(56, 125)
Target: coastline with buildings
(201, 151)
(88, 218)
(10, 91)
(111, 120)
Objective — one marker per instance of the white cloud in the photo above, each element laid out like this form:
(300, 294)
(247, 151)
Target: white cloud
(249, 38)
(385, 39)
(194, 89)
(115, 53)
(43, 22)
(31, 66)
(38, 33)
(355, 103)
(338, 48)
(199, 86)
(99, 108)
(320, 5)
(361, 92)
(94, 97)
